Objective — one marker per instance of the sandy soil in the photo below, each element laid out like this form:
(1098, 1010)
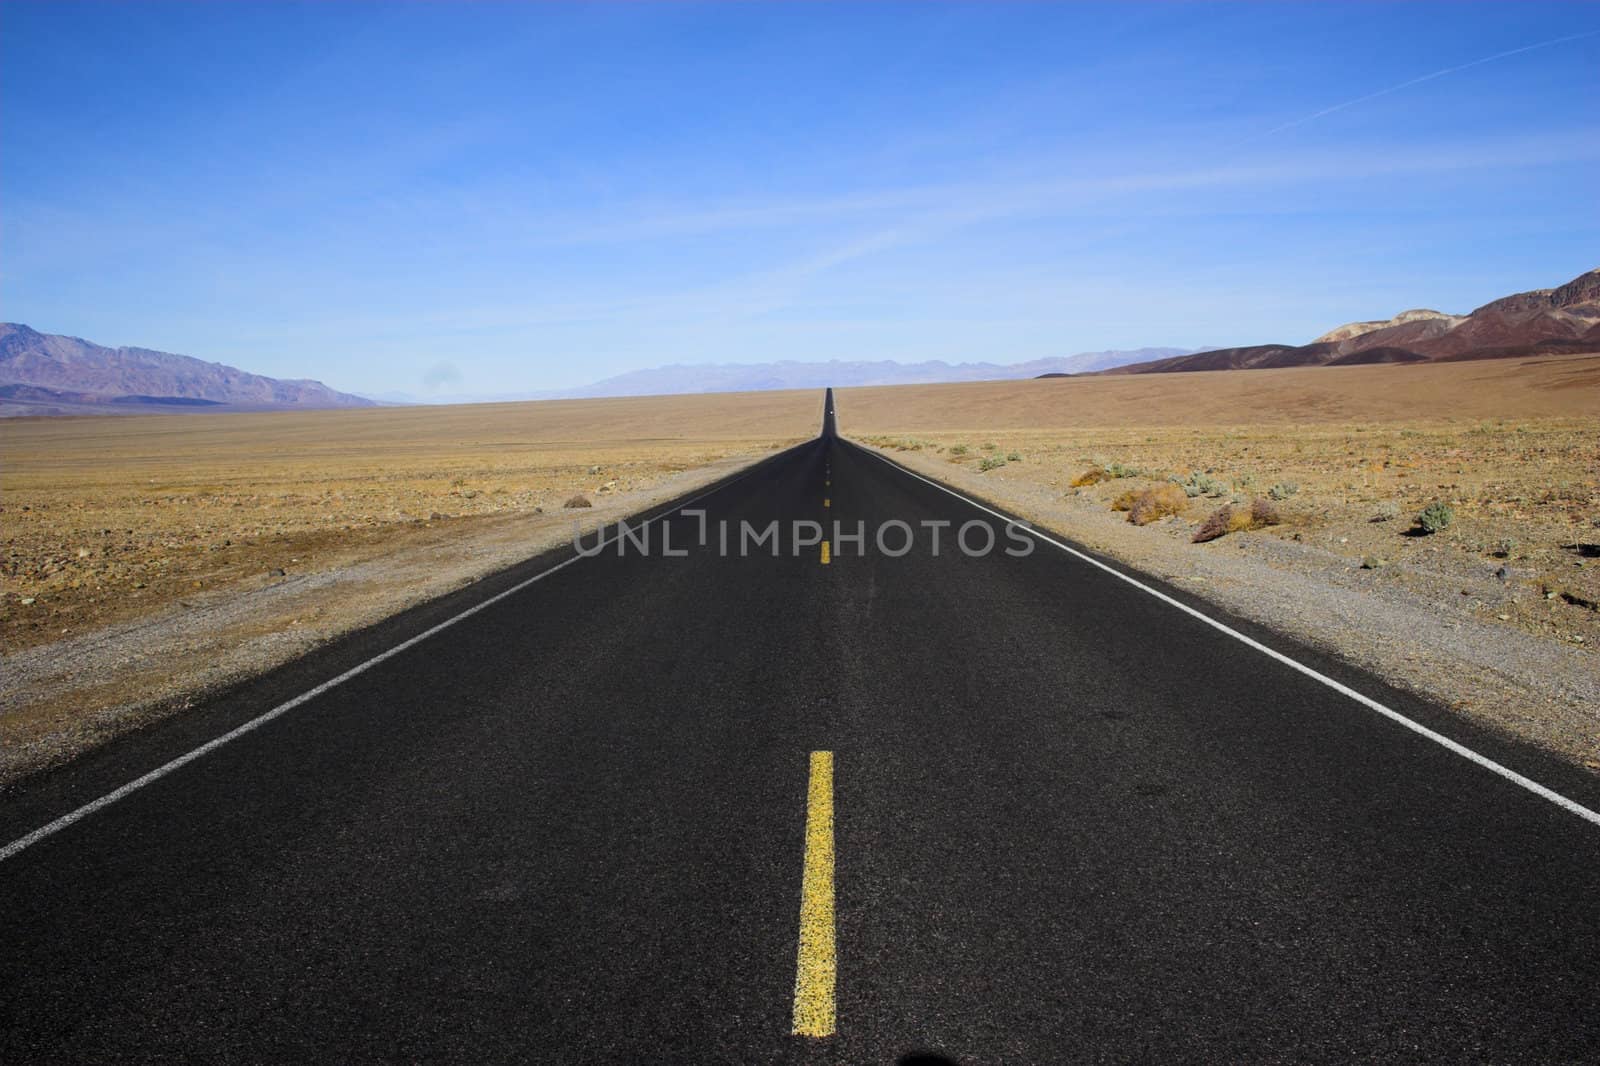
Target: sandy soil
(148, 561)
(1498, 614)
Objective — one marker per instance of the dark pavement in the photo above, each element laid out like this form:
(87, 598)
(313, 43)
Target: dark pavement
(1072, 824)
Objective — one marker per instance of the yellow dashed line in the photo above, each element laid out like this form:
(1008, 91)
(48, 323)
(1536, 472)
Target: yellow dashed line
(827, 502)
(824, 553)
(817, 967)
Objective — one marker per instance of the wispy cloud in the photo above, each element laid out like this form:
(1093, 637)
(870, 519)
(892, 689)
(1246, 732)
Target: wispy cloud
(1313, 116)
(915, 209)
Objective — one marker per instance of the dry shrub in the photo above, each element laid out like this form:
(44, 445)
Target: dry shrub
(1092, 476)
(1218, 523)
(579, 500)
(1230, 519)
(1151, 504)
(1124, 501)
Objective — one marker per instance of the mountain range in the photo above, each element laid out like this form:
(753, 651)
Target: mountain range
(789, 374)
(1565, 319)
(44, 374)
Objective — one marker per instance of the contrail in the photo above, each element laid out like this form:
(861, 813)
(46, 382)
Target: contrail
(1416, 81)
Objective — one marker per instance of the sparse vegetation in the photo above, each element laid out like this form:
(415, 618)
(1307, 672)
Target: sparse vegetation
(899, 444)
(1092, 476)
(1233, 518)
(1283, 490)
(1262, 513)
(958, 449)
(1158, 502)
(991, 462)
(1199, 484)
(1218, 523)
(1436, 517)
(579, 500)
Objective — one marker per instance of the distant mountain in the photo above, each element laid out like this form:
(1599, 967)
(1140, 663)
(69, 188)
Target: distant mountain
(1565, 319)
(43, 373)
(756, 377)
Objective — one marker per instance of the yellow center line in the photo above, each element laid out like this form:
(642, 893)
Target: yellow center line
(817, 967)
(824, 553)
(827, 502)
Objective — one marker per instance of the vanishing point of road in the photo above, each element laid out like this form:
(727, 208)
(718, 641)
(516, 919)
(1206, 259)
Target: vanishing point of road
(857, 807)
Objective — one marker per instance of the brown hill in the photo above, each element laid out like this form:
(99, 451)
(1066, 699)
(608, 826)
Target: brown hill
(1562, 320)
(43, 373)
(1356, 329)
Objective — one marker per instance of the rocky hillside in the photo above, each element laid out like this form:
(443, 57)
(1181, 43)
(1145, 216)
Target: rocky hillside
(43, 373)
(1356, 329)
(1542, 322)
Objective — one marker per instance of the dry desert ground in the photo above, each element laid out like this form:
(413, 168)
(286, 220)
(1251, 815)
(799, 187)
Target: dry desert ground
(148, 560)
(1497, 614)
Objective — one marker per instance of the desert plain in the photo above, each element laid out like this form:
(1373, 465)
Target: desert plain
(149, 561)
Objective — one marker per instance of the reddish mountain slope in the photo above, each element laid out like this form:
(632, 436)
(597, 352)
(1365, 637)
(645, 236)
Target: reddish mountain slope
(1565, 319)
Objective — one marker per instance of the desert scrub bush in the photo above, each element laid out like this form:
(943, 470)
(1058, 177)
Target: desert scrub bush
(991, 462)
(1387, 511)
(1262, 513)
(1198, 484)
(1120, 470)
(1283, 490)
(1435, 517)
(1151, 504)
(1231, 518)
(1218, 523)
(958, 449)
(989, 445)
(1013, 457)
(1092, 476)
(579, 500)
(1124, 500)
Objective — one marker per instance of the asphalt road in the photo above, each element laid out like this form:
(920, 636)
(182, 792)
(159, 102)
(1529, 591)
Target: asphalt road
(1070, 823)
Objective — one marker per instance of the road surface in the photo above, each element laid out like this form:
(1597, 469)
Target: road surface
(649, 807)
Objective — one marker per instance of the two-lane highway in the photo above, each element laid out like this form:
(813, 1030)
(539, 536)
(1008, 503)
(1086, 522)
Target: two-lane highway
(1003, 806)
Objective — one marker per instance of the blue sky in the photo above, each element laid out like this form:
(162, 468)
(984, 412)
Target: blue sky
(494, 198)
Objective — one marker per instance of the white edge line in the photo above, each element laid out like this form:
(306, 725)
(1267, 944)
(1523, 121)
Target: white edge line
(51, 828)
(1366, 701)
